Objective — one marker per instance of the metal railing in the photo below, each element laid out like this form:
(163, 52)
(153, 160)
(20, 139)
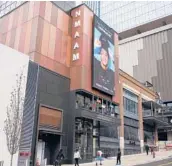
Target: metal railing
(111, 112)
(157, 114)
(167, 109)
(148, 113)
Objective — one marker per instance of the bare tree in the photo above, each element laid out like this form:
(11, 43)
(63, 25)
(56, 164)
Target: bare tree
(13, 122)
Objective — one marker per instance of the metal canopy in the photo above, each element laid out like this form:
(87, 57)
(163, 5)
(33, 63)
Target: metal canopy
(153, 120)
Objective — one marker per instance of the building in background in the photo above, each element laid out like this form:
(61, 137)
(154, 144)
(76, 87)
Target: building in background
(8, 6)
(145, 53)
(124, 15)
(146, 56)
(94, 5)
(65, 5)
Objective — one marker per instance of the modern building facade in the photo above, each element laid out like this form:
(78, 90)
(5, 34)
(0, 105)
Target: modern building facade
(124, 15)
(133, 130)
(65, 106)
(60, 107)
(144, 50)
(146, 56)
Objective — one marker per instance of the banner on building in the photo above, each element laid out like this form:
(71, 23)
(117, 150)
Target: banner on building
(103, 57)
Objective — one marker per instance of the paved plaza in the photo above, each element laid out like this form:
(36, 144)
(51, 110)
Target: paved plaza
(133, 160)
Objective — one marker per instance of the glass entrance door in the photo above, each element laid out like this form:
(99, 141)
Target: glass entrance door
(84, 137)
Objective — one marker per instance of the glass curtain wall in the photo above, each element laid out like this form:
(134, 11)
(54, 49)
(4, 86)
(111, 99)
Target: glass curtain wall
(130, 103)
(131, 132)
(92, 135)
(84, 137)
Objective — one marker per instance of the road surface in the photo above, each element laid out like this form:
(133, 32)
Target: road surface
(166, 162)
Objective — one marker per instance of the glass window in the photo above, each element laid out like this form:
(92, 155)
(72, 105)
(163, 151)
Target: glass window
(152, 15)
(79, 101)
(130, 95)
(168, 9)
(130, 102)
(150, 7)
(137, 20)
(145, 9)
(167, 2)
(130, 133)
(137, 12)
(160, 12)
(159, 4)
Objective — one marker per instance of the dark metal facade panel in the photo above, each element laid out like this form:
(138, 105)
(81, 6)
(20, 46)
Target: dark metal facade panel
(54, 91)
(29, 110)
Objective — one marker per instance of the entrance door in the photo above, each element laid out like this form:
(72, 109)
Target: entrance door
(50, 147)
(84, 137)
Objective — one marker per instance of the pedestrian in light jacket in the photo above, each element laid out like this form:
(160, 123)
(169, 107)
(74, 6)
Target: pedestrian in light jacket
(77, 156)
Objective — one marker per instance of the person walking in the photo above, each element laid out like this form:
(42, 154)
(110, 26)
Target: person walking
(118, 161)
(59, 158)
(99, 157)
(147, 149)
(77, 156)
(151, 150)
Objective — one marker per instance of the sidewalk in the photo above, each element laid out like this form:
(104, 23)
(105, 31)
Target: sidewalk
(132, 160)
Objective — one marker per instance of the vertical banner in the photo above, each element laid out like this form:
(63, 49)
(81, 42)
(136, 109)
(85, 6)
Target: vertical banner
(103, 57)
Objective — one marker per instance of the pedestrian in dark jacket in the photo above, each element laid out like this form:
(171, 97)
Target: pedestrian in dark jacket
(147, 149)
(59, 158)
(118, 162)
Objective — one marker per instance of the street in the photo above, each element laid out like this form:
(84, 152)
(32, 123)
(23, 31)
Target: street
(166, 162)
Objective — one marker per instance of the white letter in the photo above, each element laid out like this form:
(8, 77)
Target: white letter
(76, 46)
(77, 23)
(77, 13)
(76, 34)
(75, 56)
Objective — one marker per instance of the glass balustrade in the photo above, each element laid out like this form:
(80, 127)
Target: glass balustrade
(95, 104)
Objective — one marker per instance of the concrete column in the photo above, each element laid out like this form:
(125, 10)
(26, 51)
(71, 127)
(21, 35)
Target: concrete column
(121, 120)
(140, 114)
